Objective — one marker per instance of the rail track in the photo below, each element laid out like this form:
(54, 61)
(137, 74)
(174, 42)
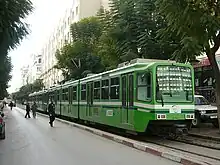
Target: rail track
(200, 141)
(186, 145)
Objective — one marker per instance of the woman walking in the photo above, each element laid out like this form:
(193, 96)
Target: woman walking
(34, 109)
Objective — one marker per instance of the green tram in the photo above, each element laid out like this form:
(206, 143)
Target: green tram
(139, 96)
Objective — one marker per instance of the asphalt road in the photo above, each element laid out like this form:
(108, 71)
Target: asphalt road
(34, 142)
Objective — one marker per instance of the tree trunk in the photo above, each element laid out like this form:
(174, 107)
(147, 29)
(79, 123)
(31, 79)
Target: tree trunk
(216, 71)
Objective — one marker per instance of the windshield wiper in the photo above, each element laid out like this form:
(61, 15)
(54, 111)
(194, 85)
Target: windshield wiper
(159, 93)
(169, 84)
(162, 102)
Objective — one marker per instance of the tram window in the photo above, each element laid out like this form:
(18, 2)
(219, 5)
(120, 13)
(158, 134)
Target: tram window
(114, 93)
(97, 90)
(144, 87)
(74, 93)
(105, 89)
(83, 92)
(65, 94)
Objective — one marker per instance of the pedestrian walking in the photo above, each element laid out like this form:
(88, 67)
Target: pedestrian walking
(51, 111)
(34, 109)
(27, 110)
(11, 105)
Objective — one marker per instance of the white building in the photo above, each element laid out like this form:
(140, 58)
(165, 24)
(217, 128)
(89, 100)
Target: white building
(35, 68)
(24, 75)
(80, 9)
(33, 71)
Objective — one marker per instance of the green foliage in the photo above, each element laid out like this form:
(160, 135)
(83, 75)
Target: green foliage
(125, 28)
(88, 30)
(149, 21)
(12, 30)
(37, 85)
(195, 22)
(5, 76)
(79, 57)
(127, 31)
(132, 26)
(12, 26)
(25, 90)
(107, 46)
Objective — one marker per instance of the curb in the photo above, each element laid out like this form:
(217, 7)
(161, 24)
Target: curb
(134, 144)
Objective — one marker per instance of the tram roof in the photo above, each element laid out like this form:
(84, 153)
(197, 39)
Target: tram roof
(126, 67)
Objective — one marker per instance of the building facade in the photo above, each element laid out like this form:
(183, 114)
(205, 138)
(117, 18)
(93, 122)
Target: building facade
(24, 75)
(78, 10)
(35, 68)
(32, 71)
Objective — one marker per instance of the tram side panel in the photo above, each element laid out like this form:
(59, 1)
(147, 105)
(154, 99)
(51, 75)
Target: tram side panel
(73, 103)
(100, 102)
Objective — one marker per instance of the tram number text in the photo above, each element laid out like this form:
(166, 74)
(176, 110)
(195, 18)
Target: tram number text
(175, 109)
(109, 113)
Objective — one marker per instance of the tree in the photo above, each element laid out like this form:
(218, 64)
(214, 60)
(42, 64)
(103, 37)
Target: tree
(12, 26)
(197, 24)
(127, 31)
(5, 75)
(12, 30)
(149, 21)
(134, 26)
(24, 91)
(38, 85)
(124, 20)
(106, 47)
(79, 57)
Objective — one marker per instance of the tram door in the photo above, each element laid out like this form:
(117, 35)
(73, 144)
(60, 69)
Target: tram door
(127, 97)
(89, 98)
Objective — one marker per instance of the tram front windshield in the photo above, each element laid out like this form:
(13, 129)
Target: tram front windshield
(173, 84)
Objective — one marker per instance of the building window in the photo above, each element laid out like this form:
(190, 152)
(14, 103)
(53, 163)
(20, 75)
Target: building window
(68, 20)
(73, 15)
(77, 10)
(39, 60)
(38, 69)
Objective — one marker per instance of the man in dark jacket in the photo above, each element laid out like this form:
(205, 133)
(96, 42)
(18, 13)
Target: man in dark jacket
(11, 105)
(28, 109)
(51, 111)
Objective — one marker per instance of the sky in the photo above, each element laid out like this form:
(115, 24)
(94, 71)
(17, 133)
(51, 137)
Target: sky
(43, 20)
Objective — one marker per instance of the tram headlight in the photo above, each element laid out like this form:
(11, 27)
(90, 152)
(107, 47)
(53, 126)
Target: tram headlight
(203, 112)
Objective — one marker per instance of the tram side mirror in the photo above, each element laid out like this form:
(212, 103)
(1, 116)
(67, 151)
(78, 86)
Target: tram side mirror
(2, 114)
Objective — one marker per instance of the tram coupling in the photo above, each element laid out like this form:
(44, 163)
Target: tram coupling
(178, 130)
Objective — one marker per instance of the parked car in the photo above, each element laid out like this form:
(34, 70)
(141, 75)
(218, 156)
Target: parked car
(204, 112)
(2, 125)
